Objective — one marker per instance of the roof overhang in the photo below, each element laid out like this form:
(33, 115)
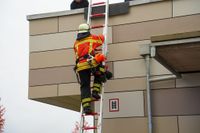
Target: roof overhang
(180, 53)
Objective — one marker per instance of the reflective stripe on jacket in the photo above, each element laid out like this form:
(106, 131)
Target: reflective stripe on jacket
(87, 46)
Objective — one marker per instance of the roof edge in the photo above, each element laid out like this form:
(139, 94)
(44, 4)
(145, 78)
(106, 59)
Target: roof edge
(79, 11)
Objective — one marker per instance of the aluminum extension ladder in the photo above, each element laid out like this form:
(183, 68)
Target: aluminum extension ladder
(99, 115)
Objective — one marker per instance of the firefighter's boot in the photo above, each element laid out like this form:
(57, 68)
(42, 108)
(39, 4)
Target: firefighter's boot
(95, 94)
(87, 110)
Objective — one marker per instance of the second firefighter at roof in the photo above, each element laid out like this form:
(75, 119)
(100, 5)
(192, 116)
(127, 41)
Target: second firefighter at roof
(89, 62)
(76, 4)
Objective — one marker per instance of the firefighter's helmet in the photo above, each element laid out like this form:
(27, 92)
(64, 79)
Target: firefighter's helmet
(83, 28)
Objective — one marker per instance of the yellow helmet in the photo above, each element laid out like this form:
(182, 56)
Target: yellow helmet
(83, 28)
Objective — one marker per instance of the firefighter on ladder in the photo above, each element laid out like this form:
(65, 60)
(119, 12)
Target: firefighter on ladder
(89, 62)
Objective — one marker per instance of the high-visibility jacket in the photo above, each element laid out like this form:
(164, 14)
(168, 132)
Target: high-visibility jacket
(84, 48)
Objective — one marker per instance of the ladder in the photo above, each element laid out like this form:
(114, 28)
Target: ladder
(99, 115)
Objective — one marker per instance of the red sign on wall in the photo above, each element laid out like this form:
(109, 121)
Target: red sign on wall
(114, 105)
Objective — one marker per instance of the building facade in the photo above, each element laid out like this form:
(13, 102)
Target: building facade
(175, 102)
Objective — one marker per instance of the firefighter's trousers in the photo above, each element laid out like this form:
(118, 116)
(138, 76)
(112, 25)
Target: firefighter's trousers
(85, 79)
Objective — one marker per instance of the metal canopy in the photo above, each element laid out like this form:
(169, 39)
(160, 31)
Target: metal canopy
(179, 56)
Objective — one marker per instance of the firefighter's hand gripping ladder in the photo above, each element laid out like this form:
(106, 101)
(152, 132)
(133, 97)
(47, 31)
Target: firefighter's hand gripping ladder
(99, 115)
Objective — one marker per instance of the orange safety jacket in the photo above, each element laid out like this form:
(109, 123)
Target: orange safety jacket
(84, 48)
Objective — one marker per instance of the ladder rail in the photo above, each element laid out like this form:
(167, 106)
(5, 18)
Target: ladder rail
(81, 120)
(89, 12)
(104, 52)
(105, 30)
(100, 120)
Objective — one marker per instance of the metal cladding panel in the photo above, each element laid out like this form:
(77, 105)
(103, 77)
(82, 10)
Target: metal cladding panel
(131, 84)
(136, 68)
(69, 89)
(165, 124)
(188, 80)
(183, 101)
(49, 76)
(58, 41)
(189, 124)
(144, 30)
(185, 7)
(165, 84)
(129, 104)
(126, 50)
(53, 58)
(125, 125)
(43, 91)
(43, 26)
(140, 125)
(71, 22)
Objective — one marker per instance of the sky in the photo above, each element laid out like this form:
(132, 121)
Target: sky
(23, 115)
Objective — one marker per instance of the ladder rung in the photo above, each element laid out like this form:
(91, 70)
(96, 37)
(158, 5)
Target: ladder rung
(98, 15)
(93, 113)
(98, 49)
(97, 26)
(89, 128)
(98, 3)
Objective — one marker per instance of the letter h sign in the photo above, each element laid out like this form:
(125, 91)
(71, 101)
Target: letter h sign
(114, 105)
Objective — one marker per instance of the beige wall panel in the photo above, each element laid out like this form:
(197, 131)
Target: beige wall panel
(70, 22)
(43, 91)
(125, 125)
(52, 58)
(189, 124)
(126, 84)
(176, 101)
(41, 26)
(52, 41)
(185, 7)
(58, 41)
(163, 84)
(126, 108)
(127, 50)
(157, 10)
(68, 89)
(129, 68)
(165, 125)
(145, 30)
(134, 68)
(157, 69)
(52, 76)
(188, 80)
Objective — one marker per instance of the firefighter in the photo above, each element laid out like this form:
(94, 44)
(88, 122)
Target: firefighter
(89, 62)
(79, 4)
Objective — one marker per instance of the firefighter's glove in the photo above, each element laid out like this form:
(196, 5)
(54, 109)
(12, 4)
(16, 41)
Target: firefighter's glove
(99, 58)
(108, 74)
(103, 78)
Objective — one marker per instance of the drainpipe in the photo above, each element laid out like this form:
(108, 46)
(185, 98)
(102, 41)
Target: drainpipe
(147, 61)
(146, 52)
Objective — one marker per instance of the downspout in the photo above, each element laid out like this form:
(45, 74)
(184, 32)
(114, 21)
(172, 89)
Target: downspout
(146, 52)
(147, 61)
